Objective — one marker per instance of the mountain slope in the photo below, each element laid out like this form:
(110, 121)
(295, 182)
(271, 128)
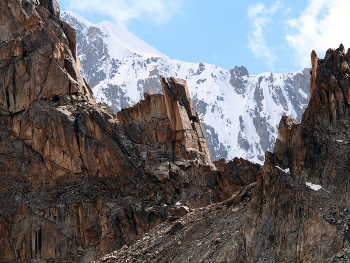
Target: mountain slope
(239, 112)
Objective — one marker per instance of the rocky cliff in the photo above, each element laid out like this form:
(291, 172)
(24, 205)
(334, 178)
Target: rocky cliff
(167, 118)
(76, 181)
(298, 211)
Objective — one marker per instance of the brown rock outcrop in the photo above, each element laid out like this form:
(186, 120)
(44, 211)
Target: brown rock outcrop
(168, 118)
(313, 72)
(233, 175)
(55, 144)
(308, 225)
(35, 55)
(330, 82)
(304, 225)
(75, 182)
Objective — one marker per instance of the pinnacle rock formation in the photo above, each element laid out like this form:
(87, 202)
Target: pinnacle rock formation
(329, 86)
(299, 209)
(76, 181)
(168, 118)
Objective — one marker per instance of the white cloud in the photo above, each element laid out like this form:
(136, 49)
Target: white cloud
(260, 16)
(322, 25)
(255, 10)
(123, 11)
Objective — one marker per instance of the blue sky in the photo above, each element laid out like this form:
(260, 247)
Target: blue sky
(263, 36)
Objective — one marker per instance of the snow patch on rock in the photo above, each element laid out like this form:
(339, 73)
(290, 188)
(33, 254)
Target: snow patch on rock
(315, 187)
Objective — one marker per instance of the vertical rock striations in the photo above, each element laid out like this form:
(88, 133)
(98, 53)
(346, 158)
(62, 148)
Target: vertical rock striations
(310, 225)
(330, 82)
(36, 55)
(168, 118)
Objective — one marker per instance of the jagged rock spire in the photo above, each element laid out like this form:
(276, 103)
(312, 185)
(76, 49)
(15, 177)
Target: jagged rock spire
(330, 88)
(174, 118)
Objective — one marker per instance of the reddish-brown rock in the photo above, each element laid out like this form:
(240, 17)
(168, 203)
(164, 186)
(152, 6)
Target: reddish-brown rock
(314, 65)
(168, 118)
(233, 175)
(330, 82)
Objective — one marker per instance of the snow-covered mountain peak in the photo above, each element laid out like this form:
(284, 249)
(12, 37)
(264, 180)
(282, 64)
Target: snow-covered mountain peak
(239, 112)
(71, 16)
(120, 41)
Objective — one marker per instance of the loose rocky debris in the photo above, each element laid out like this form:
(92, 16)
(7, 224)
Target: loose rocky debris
(216, 233)
(342, 257)
(200, 236)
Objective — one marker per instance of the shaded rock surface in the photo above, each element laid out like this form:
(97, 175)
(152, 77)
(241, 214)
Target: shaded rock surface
(330, 82)
(298, 211)
(76, 181)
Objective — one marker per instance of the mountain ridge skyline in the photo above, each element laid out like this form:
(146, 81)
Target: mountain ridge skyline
(264, 36)
(239, 112)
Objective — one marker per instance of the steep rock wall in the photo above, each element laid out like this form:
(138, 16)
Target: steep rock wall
(168, 118)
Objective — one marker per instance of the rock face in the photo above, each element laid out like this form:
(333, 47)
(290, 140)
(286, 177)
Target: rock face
(167, 118)
(298, 211)
(77, 182)
(235, 174)
(239, 112)
(330, 83)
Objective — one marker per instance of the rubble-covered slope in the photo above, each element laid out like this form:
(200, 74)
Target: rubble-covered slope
(298, 211)
(239, 112)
